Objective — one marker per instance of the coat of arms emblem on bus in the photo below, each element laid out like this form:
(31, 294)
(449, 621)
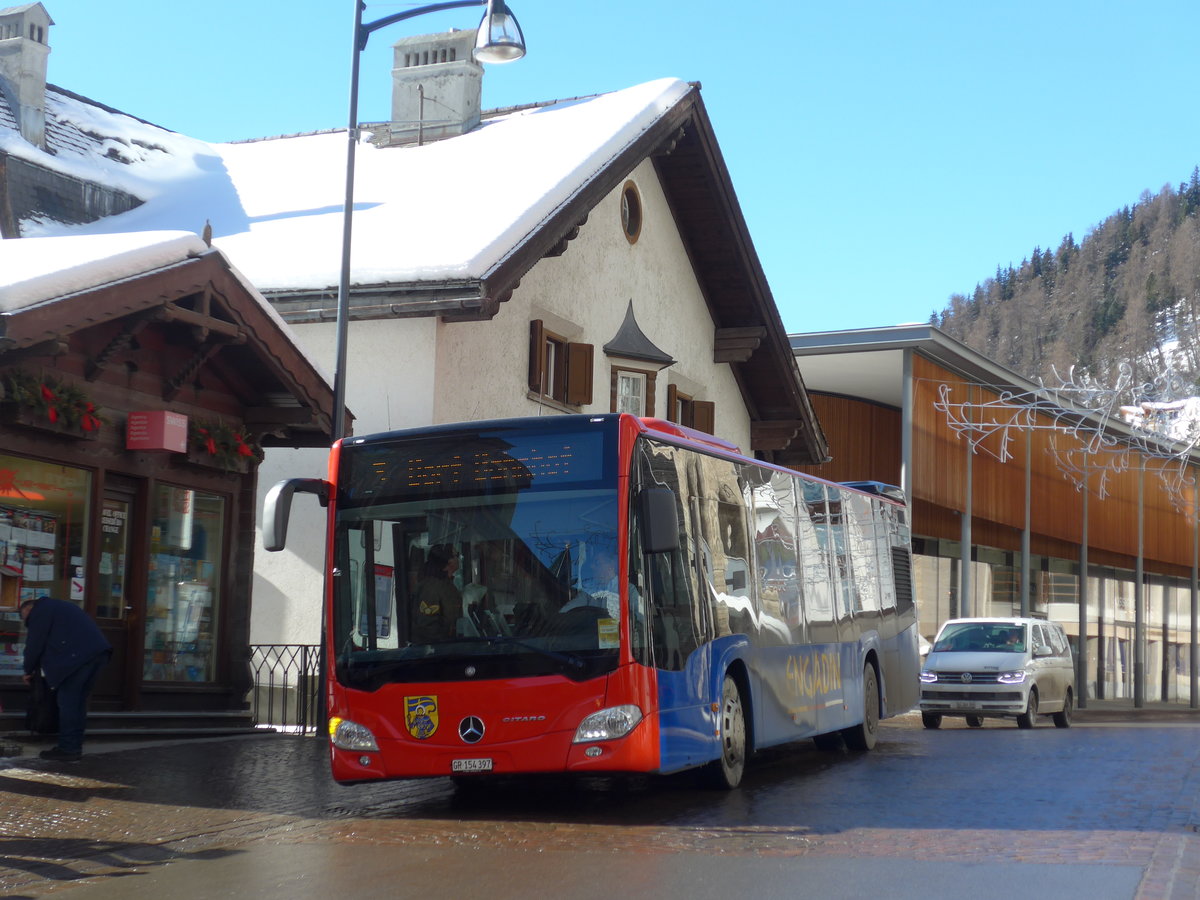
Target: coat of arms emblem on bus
(421, 716)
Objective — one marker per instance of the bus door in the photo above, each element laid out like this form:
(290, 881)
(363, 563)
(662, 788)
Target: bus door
(679, 618)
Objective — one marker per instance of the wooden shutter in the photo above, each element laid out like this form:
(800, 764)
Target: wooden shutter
(579, 374)
(704, 415)
(672, 403)
(537, 355)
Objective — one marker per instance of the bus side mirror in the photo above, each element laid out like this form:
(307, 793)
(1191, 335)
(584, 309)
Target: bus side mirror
(277, 507)
(660, 522)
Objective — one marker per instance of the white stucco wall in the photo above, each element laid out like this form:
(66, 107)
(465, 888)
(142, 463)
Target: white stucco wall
(389, 385)
(583, 295)
(406, 373)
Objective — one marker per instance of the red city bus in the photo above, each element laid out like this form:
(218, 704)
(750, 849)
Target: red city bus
(599, 594)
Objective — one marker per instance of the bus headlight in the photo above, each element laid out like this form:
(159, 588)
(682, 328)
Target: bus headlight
(608, 724)
(1011, 678)
(929, 677)
(347, 735)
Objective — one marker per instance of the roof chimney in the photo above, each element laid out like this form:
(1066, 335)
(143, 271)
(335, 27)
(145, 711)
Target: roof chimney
(436, 88)
(24, 35)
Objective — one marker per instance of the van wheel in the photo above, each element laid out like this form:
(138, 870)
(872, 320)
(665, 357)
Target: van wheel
(1063, 719)
(864, 736)
(931, 720)
(1028, 719)
(726, 772)
(974, 721)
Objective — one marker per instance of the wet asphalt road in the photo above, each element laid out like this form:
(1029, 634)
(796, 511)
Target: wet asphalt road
(1107, 809)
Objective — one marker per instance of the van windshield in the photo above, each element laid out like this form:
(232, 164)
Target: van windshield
(970, 637)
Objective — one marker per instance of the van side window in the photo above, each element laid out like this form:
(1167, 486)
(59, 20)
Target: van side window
(1039, 637)
(1058, 640)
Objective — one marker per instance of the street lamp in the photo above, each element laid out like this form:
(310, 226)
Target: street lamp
(498, 40)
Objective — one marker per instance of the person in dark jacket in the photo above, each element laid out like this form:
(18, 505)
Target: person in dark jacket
(69, 648)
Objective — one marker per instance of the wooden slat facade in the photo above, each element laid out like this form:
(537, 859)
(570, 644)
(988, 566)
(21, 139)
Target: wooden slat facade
(865, 442)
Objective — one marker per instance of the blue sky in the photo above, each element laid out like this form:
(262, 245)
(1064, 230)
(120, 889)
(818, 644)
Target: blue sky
(885, 155)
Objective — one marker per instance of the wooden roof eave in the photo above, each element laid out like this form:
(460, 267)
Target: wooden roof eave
(275, 346)
(731, 274)
(47, 323)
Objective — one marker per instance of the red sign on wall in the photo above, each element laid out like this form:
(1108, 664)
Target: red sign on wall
(156, 429)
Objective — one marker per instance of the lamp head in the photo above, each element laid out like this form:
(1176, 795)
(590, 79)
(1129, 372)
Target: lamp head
(499, 39)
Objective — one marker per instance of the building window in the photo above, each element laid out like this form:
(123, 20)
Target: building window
(559, 370)
(632, 391)
(44, 515)
(186, 543)
(683, 409)
(631, 212)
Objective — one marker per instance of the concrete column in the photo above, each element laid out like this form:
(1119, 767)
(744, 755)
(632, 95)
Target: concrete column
(1139, 618)
(1081, 697)
(1194, 675)
(966, 602)
(1026, 603)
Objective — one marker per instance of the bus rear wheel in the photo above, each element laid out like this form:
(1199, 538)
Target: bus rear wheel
(864, 735)
(726, 772)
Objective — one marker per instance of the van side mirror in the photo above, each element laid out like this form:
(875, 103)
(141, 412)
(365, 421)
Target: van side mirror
(1042, 650)
(659, 520)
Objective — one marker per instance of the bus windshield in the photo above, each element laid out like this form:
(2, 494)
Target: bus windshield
(474, 555)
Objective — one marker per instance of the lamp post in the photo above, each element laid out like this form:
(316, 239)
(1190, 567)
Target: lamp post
(499, 39)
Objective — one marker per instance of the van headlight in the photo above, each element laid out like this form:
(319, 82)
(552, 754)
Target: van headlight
(928, 677)
(608, 724)
(347, 735)
(1011, 678)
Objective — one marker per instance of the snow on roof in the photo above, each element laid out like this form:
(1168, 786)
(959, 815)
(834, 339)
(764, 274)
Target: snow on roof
(48, 269)
(446, 211)
(33, 270)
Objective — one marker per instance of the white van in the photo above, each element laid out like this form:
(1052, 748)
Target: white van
(980, 668)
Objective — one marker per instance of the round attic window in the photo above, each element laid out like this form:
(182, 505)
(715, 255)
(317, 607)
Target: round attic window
(631, 212)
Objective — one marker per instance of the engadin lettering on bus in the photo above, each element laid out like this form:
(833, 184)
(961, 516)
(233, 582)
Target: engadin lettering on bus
(813, 677)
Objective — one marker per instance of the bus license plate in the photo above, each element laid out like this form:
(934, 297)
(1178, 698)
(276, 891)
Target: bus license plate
(471, 765)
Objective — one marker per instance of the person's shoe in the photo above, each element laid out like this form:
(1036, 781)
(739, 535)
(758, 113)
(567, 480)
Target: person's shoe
(61, 755)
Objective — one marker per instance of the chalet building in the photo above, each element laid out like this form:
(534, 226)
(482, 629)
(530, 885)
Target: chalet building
(140, 379)
(1022, 502)
(575, 256)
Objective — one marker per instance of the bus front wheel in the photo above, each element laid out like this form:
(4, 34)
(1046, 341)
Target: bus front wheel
(726, 771)
(864, 735)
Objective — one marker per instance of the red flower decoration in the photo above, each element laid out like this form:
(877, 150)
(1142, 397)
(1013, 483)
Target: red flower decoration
(89, 421)
(51, 400)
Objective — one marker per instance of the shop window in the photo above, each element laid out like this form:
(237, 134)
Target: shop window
(44, 512)
(186, 541)
(559, 370)
(685, 410)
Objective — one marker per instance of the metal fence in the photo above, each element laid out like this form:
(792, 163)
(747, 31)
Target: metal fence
(287, 685)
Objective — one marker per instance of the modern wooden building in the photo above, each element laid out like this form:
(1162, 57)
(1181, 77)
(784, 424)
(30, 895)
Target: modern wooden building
(1014, 492)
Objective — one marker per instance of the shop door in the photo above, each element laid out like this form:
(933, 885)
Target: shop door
(114, 594)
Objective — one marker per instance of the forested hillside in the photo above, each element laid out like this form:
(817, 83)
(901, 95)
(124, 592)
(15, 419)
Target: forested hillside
(1129, 291)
